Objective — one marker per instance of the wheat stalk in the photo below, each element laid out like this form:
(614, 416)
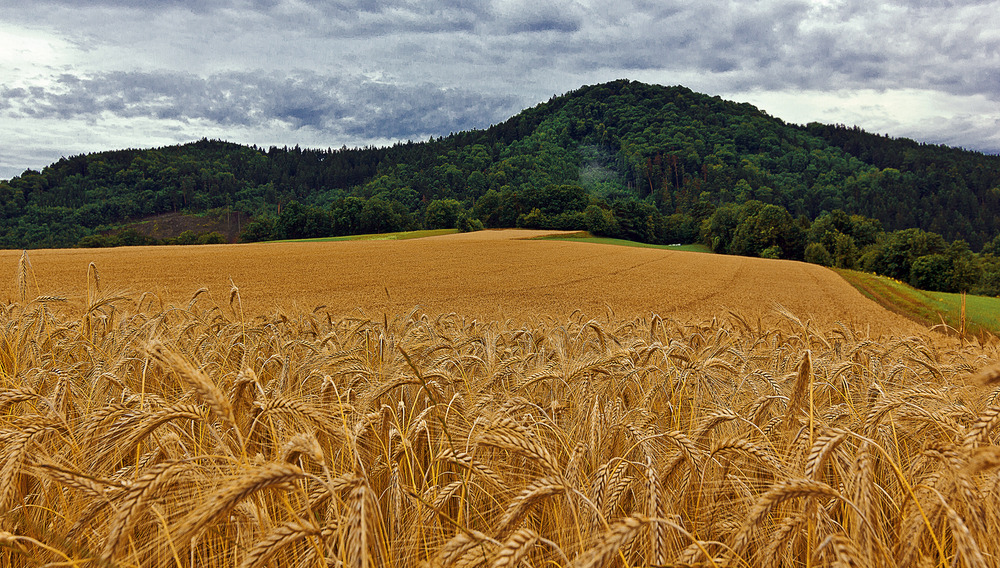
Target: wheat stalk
(130, 505)
(276, 539)
(534, 493)
(231, 493)
(608, 543)
(782, 491)
(514, 549)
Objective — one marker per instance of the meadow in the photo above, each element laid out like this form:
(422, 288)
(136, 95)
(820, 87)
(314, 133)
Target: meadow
(140, 430)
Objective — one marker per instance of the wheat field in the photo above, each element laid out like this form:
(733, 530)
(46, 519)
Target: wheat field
(488, 275)
(204, 435)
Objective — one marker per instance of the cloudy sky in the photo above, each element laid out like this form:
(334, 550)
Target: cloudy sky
(79, 76)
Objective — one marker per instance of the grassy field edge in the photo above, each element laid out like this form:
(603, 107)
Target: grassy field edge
(981, 313)
(586, 237)
(400, 236)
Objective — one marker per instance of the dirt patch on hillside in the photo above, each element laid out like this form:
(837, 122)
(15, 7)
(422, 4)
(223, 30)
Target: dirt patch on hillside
(491, 274)
(171, 225)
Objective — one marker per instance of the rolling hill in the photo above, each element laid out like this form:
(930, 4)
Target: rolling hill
(623, 159)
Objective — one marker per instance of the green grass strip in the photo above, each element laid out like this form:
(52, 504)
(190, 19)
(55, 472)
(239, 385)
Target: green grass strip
(982, 313)
(585, 237)
(400, 236)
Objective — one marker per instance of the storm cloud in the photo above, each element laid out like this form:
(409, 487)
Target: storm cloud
(87, 75)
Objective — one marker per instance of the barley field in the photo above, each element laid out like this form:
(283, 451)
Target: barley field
(141, 432)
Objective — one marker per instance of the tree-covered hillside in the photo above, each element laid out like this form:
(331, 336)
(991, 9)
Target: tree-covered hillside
(627, 159)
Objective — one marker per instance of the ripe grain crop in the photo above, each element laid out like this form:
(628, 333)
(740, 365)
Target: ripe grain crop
(195, 435)
(488, 275)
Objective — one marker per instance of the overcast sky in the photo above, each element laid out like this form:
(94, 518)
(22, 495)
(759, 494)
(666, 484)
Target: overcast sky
(79, 76)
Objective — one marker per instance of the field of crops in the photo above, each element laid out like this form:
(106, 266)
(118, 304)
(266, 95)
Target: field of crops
(489, 275)
(142, 431)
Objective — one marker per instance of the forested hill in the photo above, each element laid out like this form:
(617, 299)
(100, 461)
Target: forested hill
(640, 161)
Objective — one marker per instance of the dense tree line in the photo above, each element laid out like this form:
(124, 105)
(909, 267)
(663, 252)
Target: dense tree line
(921, 258)
(624, 159)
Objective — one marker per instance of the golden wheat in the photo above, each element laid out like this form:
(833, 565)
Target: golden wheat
(136, 435)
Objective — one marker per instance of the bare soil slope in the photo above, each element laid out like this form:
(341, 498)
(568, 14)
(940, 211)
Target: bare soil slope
(171, 225)
(491, 274)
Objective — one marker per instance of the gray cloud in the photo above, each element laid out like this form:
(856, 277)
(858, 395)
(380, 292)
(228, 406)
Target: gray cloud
(950, 47)
(355, 105)
(381, 69)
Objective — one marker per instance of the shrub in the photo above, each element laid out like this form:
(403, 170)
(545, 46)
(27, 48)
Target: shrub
(816, 253)
(467, 224)
(773, 251)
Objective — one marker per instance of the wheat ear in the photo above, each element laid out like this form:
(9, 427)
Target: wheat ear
(22, 277)
(655, 505)
(232, 493)
(517, 546)
(93, 486)
(527, 498)
(457, 546)
(980, 429)
(13, 396)
(608, 544)
(780, 492)
(845, 555)
(131, 504)
(465, 460)
(511, 439)
(279, 537)
(748, 447)
(964, 540)
(360, 524)
(798, 394)
(779, 538)
(194, 378)
(821, 448)
(14, 457)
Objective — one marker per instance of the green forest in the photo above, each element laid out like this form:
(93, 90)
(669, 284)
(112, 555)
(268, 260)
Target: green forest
(621, 159)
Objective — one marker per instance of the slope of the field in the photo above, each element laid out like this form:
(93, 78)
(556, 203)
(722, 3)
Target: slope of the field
(491, 274)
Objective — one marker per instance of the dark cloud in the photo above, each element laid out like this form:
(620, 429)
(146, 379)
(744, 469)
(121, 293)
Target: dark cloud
(805, 44)
(355, 106)
(517, 17)
(390, 69)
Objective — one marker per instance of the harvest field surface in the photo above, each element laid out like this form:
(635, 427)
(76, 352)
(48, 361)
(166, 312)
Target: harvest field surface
(513, 421)
(488, 275)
